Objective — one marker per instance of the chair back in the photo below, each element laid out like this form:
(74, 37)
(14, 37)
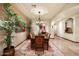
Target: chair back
(39, 41)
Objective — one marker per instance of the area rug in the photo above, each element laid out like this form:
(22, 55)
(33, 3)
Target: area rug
(25, 50)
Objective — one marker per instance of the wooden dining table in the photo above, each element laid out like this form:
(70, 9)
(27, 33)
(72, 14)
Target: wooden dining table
(45, 42)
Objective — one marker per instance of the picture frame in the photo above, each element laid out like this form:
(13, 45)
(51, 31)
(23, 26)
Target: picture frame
(69, 25)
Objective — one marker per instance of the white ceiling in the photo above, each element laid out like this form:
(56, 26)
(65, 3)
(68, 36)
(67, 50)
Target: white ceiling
(53, 9)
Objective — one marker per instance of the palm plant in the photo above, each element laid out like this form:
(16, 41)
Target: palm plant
(9, 27)
(9, 24)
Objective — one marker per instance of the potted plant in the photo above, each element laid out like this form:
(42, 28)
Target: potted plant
(8, 25)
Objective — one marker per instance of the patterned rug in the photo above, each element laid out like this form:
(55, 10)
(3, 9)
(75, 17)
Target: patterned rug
(29, 52)
(25, 50)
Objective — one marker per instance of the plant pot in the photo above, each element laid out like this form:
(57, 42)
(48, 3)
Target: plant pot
(9, 51)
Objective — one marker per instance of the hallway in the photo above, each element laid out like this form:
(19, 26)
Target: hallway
(22, 22)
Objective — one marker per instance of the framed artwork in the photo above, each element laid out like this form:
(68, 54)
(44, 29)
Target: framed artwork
(69, 26)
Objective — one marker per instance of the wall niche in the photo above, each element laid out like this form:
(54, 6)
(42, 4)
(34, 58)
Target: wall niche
(69, 25)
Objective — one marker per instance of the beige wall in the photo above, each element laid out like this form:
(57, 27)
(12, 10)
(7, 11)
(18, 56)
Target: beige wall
(60, 29)
(2, 35)
(77, 27)
(59, 22)
(70, 36)
(2, 14)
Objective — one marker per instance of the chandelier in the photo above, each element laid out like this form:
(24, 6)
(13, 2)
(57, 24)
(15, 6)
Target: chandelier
(38, 10)
(39, 21)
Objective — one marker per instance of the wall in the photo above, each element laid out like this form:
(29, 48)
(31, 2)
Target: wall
(60, 29)
(2, 34)
(77, 27)
(59, 22)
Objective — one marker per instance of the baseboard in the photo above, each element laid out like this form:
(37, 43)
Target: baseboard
(20, 43)
(68, 39)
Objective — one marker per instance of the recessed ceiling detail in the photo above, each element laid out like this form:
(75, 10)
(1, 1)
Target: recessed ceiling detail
(38, 9)
(48, 11)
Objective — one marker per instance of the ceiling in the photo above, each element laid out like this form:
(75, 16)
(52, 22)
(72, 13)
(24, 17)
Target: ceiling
(52, 8)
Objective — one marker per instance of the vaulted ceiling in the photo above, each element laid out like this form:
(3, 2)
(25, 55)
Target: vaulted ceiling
(52, 8)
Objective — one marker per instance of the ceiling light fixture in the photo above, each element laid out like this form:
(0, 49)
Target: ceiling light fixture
(36, 9)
